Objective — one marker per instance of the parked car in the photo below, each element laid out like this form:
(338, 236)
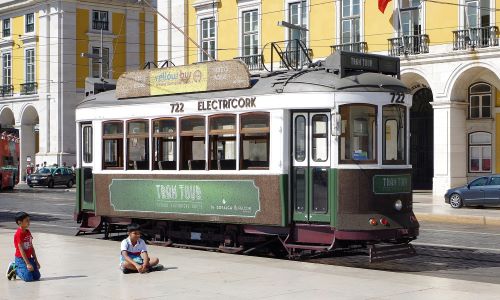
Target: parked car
(481, 191)
(52, 176)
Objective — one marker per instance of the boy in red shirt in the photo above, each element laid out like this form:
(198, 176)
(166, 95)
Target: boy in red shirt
(26, 263)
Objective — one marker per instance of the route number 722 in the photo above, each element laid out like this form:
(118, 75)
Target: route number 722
(398, 98)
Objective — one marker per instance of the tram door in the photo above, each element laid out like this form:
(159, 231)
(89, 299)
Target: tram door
(310, 166)
(86, 179)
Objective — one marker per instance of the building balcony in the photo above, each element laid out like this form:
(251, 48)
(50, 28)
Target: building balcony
(409, 45)
(98, 25)
(254, 62)
(29, 88)
(7, 90)
(475, 37)
(361, 47)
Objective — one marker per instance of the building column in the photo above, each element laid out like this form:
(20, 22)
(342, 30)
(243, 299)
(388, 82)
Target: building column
(450, 147)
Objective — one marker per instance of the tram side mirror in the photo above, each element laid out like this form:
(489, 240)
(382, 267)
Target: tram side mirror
(336, 124)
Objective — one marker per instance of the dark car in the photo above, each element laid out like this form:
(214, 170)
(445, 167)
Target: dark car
(52, 176)
(481, 191)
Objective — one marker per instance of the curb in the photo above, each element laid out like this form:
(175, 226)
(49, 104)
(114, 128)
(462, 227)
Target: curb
(458, 219)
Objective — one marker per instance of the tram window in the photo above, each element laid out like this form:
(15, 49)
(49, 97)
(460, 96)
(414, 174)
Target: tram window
(222, 142)
(138, 145)
(254, 141)
(320, 138)
(87, 144)
(300, 138)
(113, 145)
(165, 144)
(394, 120)
(358, 137)
(192, 143)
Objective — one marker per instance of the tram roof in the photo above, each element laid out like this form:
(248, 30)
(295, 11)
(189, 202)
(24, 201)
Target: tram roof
(308, 80)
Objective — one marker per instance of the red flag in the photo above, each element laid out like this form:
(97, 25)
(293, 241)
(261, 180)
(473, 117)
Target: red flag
(382, 4)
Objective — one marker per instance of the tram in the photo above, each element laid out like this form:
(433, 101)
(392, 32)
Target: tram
(9, 158)
(210, 156)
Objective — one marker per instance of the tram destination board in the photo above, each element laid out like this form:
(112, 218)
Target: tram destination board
(202, 77)
(346, 62)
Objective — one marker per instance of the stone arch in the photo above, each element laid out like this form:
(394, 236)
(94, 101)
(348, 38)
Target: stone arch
(462, 78)
(7, 117)
(415, 80)
(29, 146)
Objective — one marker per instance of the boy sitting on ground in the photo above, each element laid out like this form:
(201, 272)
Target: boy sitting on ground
(134, 255)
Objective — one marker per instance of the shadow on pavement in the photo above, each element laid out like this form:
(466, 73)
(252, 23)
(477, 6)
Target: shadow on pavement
(9, 217)
(447, 262)
(62, 277)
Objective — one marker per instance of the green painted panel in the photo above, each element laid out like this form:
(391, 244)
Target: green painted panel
(392, 184)
(284, 199)
(239, 198)
(333, 196)
(78, 191)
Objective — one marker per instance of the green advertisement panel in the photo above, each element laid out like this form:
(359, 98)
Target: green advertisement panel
(391, 184)
(238, 198)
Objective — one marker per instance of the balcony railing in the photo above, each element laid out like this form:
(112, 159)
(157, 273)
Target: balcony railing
(351, 47)
(254, 62)
(97, 25)
(29, 88)
(409, 45)
(6, 90)
(476, 37)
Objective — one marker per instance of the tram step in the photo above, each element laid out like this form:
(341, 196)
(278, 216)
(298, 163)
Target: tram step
(307, 247)
(380, 253)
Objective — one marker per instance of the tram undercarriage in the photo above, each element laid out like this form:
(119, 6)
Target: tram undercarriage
(296, 242)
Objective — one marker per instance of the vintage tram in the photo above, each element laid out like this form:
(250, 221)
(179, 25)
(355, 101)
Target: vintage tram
(209, 156)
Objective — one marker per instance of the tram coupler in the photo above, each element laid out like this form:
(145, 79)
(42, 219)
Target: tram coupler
(380, 253)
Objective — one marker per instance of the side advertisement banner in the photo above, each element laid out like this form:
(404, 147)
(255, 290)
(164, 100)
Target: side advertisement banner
(238, 198)
(391, 184)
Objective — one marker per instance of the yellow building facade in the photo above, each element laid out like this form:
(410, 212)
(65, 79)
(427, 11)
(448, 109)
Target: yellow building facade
(49, 50)
(449, 59)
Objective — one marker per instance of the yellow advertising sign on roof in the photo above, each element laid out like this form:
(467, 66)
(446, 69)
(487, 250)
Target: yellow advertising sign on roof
(203, 77)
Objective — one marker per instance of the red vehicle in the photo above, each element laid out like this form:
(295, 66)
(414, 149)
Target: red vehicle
(9, 158)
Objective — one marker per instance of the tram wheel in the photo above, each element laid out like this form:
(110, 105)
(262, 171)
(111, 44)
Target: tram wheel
(456, 201)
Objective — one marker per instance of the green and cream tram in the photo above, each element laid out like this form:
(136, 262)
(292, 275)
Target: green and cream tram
(208, 155)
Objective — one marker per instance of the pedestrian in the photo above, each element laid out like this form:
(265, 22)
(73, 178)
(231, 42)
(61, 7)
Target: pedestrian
(37, 167)
(26, 264)
(73, 167)
(134, 255)
(64, 164)
(44, 164)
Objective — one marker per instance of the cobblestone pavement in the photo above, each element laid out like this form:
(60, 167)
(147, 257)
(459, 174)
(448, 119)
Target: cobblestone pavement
(459, 251)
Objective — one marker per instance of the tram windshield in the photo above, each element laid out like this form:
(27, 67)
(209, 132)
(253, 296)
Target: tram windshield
(394, 120)
(358, 138)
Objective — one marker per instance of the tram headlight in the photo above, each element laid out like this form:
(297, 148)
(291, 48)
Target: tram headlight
(398, 205)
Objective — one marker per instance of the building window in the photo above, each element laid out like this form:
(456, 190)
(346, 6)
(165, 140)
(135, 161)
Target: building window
(6, 27)
(100, 20)
(480, 152)
(222, 134)
(254, 139)
(96, 62)
(350, 21)
(477, 13)
(480, 101)
(192, 143)
(208, 38)
(410, 18)
(113, 145)
(138, 145)
(250, 30)
(297, 15)
(165, 144)
(7, 69)
(30, 66)
(30, 23)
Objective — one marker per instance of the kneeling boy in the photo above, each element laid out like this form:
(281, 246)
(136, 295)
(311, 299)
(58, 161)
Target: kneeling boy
(134, 255)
